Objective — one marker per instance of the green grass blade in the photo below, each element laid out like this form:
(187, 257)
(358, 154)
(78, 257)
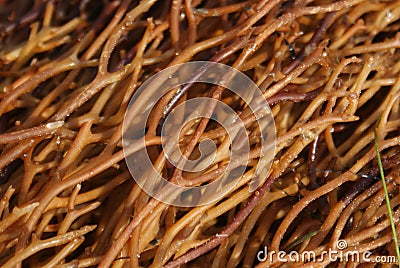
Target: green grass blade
(301, 240)
(390, 213)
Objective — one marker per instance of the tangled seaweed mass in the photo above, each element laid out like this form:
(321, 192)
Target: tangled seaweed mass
(329, 70)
